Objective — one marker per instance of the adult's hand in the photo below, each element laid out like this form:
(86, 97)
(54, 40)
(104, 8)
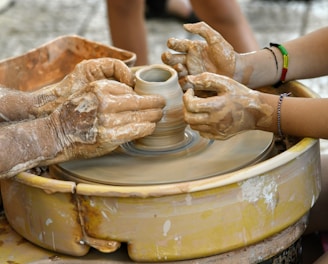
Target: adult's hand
(90, 123)
(45, 100)
(106, 114)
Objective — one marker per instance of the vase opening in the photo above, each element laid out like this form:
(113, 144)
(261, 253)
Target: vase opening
(155, 75)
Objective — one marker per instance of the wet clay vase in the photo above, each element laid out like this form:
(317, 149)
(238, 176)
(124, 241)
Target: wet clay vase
(163, 80)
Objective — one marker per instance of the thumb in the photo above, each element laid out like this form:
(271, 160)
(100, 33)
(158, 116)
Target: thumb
(204, 30)
(210, 82)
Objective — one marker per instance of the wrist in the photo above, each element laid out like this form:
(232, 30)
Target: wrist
(268, 102)
(44, 101)
(15, 105)
(39, 140)
(50, 136)
(256, 69)
(56, 143)
(240, 65)
(246, 69)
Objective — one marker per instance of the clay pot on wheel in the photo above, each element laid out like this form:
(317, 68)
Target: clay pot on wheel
(163, 80)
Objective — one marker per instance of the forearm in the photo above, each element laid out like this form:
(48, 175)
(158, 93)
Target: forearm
(15, 105)
(256, 69)
(298, 116)
(26, 145)
(18, 105)
(308, 58)
(305, 117)
(308, 55)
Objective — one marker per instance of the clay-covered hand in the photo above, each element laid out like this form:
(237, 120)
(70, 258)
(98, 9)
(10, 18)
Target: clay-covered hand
(18, 105)
(45, 100)
(192, 57)
(234, 109)
(96, 121)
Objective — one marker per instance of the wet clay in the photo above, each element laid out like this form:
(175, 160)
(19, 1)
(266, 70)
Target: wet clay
(162, 80)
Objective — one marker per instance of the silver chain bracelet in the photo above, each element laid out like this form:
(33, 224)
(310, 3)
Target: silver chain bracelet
(281, 98)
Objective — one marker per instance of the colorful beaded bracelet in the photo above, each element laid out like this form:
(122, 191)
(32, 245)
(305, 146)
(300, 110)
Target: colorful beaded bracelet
(284, 53)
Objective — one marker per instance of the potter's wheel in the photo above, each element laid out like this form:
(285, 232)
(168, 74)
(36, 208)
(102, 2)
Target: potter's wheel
(197, 160)
(199, 219)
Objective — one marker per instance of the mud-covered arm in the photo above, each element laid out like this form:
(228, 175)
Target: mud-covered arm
(85, 72)
(19, 105)
(25, 145)
(88, 124)
(15, 105)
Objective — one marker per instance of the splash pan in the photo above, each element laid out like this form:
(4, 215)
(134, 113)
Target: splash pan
(50, 62)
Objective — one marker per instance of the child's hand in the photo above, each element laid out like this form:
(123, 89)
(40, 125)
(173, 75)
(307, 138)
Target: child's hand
(235, 108)
(214, 54)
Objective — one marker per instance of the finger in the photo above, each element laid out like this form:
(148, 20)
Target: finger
(124, 118)
(201, 128)
(117, 97)
(172, 59)
(210, 82)
(120, 71)
(179, 45)
(137, 102)
(107, 68)
(185, 85)
(105, 87)
(181, 69)
(194, 104)
(128, 102)
(123, 134)
(196, 119)
(204, 30)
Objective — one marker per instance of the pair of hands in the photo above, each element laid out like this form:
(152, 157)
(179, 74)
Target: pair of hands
(94, 109)
(209, 66)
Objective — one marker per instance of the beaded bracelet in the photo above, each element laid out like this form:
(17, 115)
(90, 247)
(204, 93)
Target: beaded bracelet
(281, 98)
(284, 53)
